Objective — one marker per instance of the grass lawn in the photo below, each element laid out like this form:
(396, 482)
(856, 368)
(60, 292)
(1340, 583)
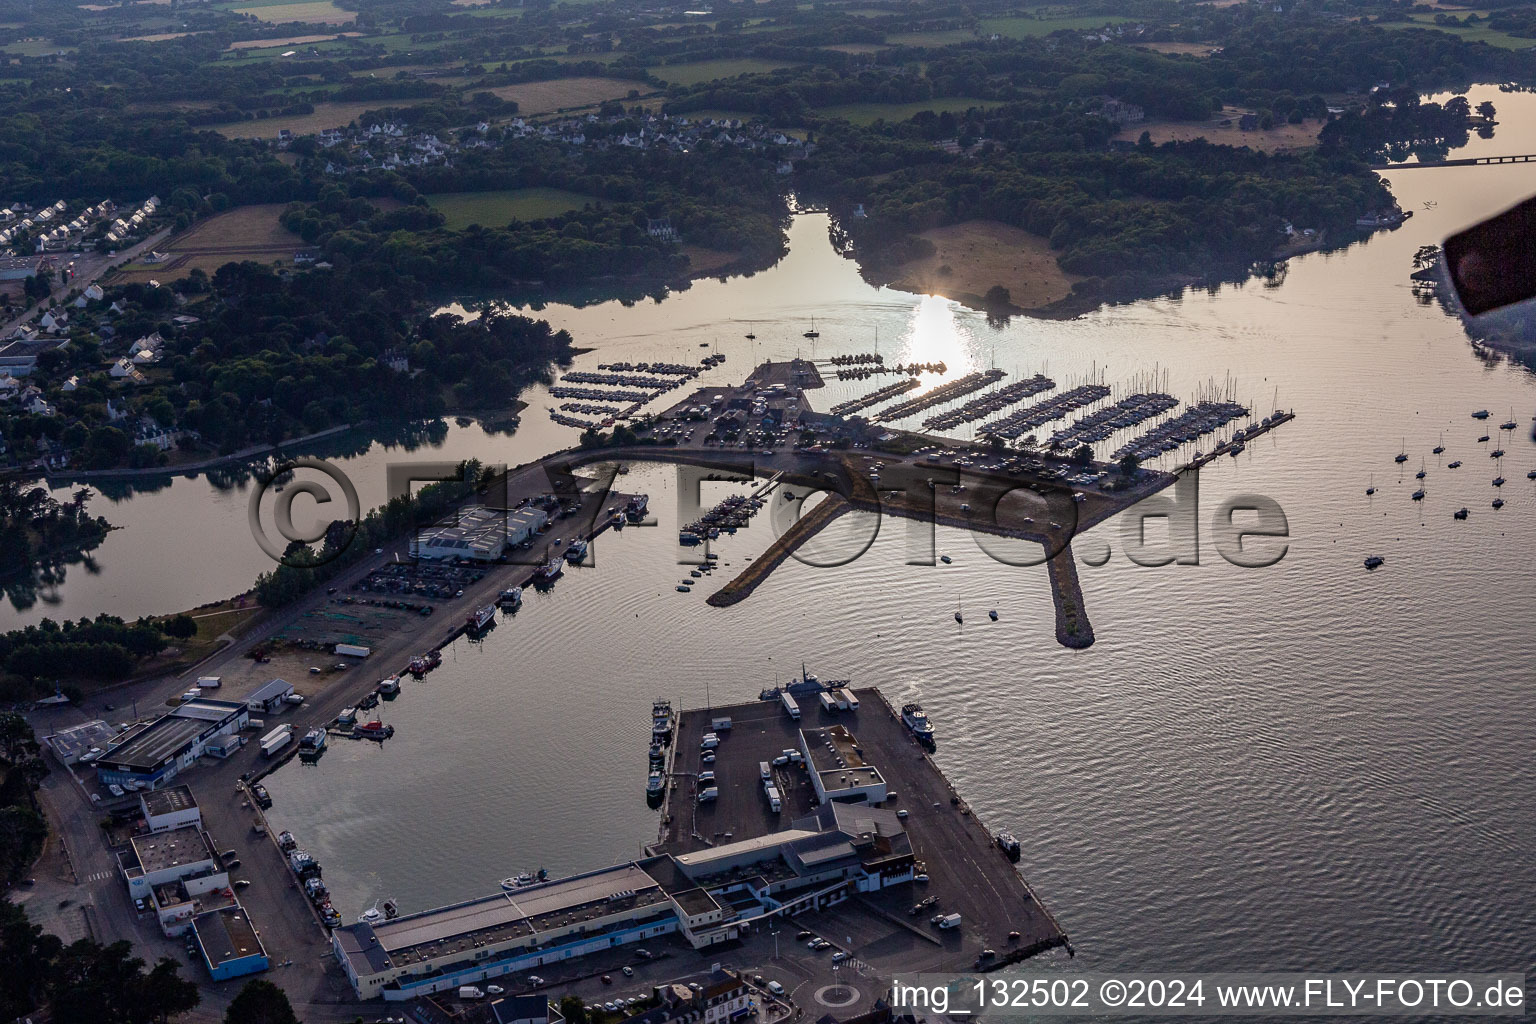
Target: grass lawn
(709, 70)
(869, 113)
(1023, 28)
(495, 209)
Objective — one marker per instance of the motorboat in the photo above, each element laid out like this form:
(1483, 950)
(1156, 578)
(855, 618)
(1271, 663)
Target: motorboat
(1462, 513)
(389, 684)
(577, 551)
(1009, 845)
(314, 739)
(992, 614)
(1498, 502)
(1374, 561)
(654, 783)
(374, 730)
(1498, 481)
(1453, 465)
(549, 571)
(511, 598)
(1481, 414)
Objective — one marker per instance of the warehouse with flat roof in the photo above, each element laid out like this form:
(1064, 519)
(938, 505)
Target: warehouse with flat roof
(228, 942)
(709, 896)
(152, 754)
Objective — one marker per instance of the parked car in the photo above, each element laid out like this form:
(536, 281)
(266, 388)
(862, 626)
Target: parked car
(802, 936)
(242, 883)
(839, 956)
(629, 972)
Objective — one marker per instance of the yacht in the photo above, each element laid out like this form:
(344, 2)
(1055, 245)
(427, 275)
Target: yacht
(1462, 513)
(480, 618)
(992, 614)
(1453, 465)
(1418, 495)
(1483, 439)
(813, 332)
(1497, 453)
(1439, 449)
(1498, 481)
(1481, 414)
(577, 551)
(913, 716)
(1498, 502)
(512, 598)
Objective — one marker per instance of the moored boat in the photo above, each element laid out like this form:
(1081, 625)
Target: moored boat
(481, 618)
(511, 598)
(916, 719)
(1008, 844)
(374, 730)
(549, 571)
(389, 684)
(577, 551)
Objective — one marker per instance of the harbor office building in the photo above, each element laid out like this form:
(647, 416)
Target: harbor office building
(708, 896)
(150, 756)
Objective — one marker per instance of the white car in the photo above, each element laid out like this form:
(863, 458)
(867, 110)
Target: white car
(922, 877)
(839, 956)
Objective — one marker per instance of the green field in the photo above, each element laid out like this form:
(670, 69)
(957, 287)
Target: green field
(495, 209)
(1474, 34)
(709, 70)
(35, 48)
(869, 113)
(1023, 28)
(955, 35)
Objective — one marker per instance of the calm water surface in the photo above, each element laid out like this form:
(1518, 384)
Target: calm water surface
(1300, 766)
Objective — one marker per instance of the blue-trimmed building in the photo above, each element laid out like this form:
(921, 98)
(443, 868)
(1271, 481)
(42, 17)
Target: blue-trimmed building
(228, 943)
(153, 754)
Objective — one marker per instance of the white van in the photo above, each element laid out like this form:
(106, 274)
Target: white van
(470, 992)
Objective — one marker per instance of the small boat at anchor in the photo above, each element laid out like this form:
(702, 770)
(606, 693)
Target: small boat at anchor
(1462, 513)
(511, 598)
(1374, 561)
(390, 684)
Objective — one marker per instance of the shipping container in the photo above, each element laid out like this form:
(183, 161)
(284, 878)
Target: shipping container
(353, 650)
(209, 682)
(828, 702)
(846, 699)
(720, 724)
(790, 707)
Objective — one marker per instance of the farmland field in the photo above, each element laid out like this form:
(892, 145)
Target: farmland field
(244, 233)
(1472, 34)
(326, 115)
(566, 93)
(869, 113)
(495, 209)
(1023, 28)
(259, 44)
(320, 11)
(709, 70)
(954, 35)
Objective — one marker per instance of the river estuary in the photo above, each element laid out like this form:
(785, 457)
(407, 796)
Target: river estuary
(1300, 766)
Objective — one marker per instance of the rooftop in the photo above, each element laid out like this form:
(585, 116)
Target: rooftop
(172, 848)
(150, 746)
(496, 918)
(226, 934)
(168, 800)
(838, 759)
